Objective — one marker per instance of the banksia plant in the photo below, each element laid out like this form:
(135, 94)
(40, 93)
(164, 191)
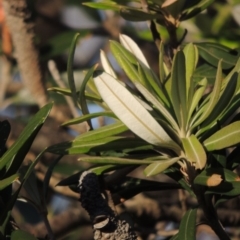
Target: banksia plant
(178, 122)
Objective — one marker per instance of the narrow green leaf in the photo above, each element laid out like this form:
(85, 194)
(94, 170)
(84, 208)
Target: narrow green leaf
(230, 75)
(194, 151)
(47, 179)
(8, 181)
(15, 155)
(82, 99)
(159, 166)
(205, 71)
(87, 117)
(99, 145)
(158, 105)
(201, 87)
(142, 76)
(187, 229)
(214, 97)
(129, 68)
(135, 15)
(223, 102)
(119, 51)
(19, 234)
(191, 56)
(105, 131)
(132, 47)
(114, 160)
(6, 213)
(106, 64)
(226, 137)
(196, 9)
(231, 189)
(106, 5)
(213, 52)
(67, 92)
(129, 63)
(162, 75)
(178, 89)
(132, 113)
(71, 81)
(99, 170)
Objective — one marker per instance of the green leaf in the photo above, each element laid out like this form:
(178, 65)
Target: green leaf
(196, 9)
(15, 155)
(222, 104)
(159, 166)
(226, 137)
(87, 117)
(132, 113)
(82, 99)
(158, 105)
(178, 89)
(208, 180)
(114, 160)
(105, 131)
(132, 47)
(129, 61)
(205, 71)
(136, 15)
(206, 110)
(194, 151)
(213, 53)
(67, 92)
(162, 75)
(231, 189)
(201, 87)
(191, 55)
(19, 234)
(99, 145)
(187, 229)
(8, 181)
(105, 5)
(47, 179)
(106, 64)
(99, 170)
(6, 213)
(71, 81)
(225, 174)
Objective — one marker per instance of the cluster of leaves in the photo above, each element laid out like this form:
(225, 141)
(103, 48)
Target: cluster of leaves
(10, 171)
(164, 12)
(176, 120)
